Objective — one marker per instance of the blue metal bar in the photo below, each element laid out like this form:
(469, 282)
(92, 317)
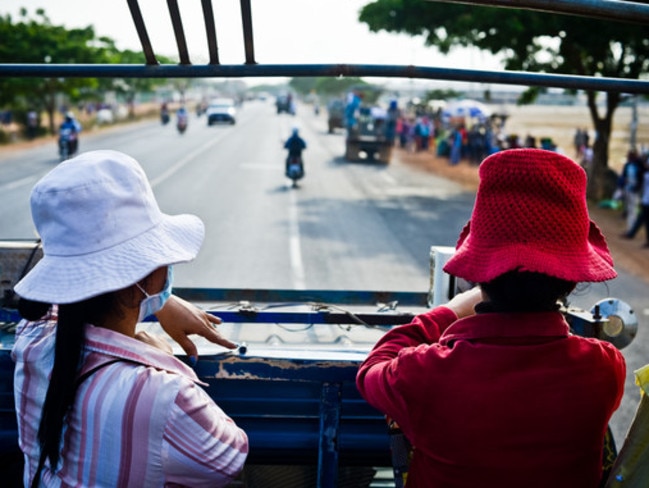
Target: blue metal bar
(347, 297)
(309, 318)
(622, 11)
(330, 403)
(266, 317)
(329, 70)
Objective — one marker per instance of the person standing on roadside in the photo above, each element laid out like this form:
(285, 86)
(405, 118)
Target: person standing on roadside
(643, 216)
(630, 183)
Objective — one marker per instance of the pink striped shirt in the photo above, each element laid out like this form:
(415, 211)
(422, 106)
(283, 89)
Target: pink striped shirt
(142, 421)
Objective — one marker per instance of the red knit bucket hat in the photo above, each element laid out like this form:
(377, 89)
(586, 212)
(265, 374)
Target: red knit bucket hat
(530, 214)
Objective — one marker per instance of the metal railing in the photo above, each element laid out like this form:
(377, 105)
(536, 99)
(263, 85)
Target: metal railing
(624, 11)
(609, 9)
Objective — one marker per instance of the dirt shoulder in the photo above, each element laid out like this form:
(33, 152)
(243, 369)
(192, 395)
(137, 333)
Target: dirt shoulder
(628, 255)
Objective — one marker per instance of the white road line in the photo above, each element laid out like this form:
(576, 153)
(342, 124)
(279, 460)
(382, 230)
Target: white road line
(388, 177)
(297, 266)
(173, 169)
(18, 183)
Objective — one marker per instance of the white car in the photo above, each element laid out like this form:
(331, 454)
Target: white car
(221, 110)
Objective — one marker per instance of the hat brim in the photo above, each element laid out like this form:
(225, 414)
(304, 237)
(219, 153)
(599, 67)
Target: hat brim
(480, 264)
(69, 279)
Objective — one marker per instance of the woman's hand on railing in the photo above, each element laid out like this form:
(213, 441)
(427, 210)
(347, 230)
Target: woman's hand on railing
(180, 318)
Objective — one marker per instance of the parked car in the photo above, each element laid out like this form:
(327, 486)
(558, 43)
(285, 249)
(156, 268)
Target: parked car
(221, 110)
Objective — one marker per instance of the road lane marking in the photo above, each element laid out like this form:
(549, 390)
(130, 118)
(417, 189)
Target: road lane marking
(297, 265)
(18, 183)
(388, 177)
(184, 161)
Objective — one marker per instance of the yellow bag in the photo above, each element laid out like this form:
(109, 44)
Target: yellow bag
(631, 468)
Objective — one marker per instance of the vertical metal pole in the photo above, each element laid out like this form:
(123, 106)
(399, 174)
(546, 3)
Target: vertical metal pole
(248, 41)
(330, 403)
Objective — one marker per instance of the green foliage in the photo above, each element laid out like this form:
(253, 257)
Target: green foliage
(303, 85)
(442, 94)
(36, 40)
(527, 40)
(529, 95)
(330, 87)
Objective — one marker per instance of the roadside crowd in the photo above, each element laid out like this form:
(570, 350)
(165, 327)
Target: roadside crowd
(454, 140)
(428, 132)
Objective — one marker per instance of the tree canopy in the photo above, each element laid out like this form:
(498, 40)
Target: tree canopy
(527, 40)
(530, 41)
(327, 86)
(34, 39)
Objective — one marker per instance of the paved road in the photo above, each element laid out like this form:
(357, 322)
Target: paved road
(349, 226)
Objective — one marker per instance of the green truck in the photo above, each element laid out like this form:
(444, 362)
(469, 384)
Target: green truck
(370, 135)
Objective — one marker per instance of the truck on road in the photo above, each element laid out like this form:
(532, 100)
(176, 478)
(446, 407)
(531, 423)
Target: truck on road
(369, 136)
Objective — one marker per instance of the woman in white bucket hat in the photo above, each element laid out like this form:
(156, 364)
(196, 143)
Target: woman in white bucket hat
(98, 404)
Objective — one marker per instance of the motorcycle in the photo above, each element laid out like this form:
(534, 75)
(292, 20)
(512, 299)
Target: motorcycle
(294, 168)
(181, 125)
(164, 117)
(67, 144)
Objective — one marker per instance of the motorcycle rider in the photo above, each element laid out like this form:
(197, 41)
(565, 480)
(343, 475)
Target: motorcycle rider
(295, 145)
(69, 133)
(181, 118)
(164, 113)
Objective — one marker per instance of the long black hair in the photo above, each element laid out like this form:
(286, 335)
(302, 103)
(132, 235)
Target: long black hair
(525, 291)
(68, 353)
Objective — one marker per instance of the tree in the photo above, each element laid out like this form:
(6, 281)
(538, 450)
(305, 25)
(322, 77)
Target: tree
(303, 85)
(327, 85)
(36, 40)
(531, 41)
(128, 88)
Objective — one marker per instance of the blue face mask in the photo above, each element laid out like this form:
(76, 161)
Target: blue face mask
(152, 303)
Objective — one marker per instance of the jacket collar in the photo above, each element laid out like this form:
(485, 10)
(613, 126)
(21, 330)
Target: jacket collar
(510, 325)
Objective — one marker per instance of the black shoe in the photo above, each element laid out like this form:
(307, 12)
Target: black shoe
(626, 236)
(646, 245)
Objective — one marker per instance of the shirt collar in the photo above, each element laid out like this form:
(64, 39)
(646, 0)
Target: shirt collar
(499, 325)
(119, 346)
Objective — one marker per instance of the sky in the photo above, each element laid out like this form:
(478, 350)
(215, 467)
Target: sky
(285, 31)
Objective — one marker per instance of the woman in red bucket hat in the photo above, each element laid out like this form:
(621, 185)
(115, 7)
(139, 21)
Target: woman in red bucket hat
(486, 387)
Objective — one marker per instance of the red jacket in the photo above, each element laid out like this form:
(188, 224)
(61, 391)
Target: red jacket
(496, 400)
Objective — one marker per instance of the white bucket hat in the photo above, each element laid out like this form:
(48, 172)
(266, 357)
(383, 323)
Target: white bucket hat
(102, 229)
